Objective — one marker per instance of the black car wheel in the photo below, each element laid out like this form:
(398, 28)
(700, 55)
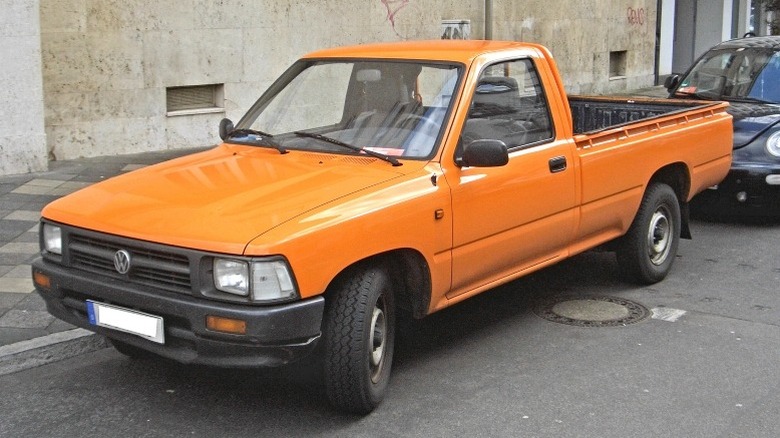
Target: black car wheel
(648, 249)
(359, 335)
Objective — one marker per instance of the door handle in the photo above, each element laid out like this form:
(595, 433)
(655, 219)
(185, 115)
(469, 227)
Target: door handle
(557, 164)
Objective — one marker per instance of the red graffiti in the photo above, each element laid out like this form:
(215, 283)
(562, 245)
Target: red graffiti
(635, 16)
(393, 6)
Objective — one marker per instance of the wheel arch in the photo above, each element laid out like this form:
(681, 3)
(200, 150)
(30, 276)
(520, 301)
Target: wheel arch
(410, 273)
(678, 177)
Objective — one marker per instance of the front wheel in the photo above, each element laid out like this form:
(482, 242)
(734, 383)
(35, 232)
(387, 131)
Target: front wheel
(359, 335)
(648, 249)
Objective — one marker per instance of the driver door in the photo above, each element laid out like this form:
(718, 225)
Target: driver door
(521, 215)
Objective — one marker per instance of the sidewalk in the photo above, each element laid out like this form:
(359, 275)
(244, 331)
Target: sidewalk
(29, 336)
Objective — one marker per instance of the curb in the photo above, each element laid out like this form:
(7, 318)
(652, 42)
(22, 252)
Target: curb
(47, 349)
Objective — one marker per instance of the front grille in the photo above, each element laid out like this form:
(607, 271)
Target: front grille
(156, 268)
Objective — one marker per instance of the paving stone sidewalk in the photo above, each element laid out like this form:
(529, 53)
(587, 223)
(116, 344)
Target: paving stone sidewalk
(23, 315)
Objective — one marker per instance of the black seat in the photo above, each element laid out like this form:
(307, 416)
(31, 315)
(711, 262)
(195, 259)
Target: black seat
(493, 113)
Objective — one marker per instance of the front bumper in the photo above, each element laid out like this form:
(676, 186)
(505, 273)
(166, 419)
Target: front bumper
(746, 190)
(275, 335)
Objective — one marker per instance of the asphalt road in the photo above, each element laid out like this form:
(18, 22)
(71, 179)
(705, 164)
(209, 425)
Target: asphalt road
(489, 367)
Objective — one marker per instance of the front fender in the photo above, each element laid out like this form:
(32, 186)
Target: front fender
(410, 213)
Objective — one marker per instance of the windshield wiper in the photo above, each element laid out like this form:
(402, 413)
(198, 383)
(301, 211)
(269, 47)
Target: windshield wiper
(261, 137)
(330, 140)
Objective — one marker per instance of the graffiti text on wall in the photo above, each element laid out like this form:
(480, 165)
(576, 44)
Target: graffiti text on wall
(393, 7)
(635, 17)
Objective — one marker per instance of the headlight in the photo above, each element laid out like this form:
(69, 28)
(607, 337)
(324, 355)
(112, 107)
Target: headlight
(231, 276)
(262, 281)
(52, 239)
(773, 144)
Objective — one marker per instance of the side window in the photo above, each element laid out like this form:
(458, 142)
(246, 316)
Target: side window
(508, 105)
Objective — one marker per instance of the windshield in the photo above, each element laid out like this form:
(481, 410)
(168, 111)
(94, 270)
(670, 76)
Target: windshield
(394, 108)
(750, 74)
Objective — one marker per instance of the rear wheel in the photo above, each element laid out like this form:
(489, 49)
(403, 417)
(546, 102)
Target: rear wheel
(648, 249)
(359, 335)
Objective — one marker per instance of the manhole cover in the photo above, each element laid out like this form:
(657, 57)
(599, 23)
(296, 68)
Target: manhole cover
(597, 311)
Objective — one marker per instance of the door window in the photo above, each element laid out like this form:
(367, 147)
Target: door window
(508, 105)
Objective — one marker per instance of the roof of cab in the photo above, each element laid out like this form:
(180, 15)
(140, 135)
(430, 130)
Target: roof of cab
(434, 50)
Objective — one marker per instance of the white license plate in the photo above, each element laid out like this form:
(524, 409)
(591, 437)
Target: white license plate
(126, 320)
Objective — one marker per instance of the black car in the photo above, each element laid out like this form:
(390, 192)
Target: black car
(746, 73)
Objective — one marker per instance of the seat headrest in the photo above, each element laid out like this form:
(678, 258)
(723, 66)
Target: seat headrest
(498, 92)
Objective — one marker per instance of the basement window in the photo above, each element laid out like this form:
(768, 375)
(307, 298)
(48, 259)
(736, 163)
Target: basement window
(196, 99)
(617, 64)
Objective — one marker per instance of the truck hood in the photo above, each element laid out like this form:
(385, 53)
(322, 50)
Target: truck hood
(221, 199)
(751, 120)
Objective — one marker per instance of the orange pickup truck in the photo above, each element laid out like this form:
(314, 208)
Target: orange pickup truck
(369, 181)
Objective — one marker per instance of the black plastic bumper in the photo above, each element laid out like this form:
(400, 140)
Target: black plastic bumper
(744, 191)
(275, 335)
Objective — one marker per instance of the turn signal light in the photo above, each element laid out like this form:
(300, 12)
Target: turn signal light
(42, 280)
(226, 325)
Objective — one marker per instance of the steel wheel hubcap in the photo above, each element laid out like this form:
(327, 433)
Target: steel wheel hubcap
(659, 236)
(377, 341)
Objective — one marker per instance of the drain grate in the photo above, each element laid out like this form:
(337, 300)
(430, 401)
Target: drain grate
(592, 311)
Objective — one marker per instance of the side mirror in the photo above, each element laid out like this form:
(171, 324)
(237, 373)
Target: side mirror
(485, 153)
(225, 128)
(672, 82)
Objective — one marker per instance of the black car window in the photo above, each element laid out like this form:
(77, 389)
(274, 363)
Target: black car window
(509, 105)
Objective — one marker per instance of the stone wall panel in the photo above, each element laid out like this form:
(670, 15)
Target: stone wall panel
(22, 133)
(95, 138)
(139, 15)
(19, 18)
(195, 131)
(63, 15)
(172, 58)
(22, 153)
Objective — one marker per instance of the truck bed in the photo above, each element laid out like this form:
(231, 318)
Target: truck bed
(593, 114)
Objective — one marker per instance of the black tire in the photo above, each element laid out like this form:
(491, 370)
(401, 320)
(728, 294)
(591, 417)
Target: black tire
(130, 351)
(359, 336)
(646, 252)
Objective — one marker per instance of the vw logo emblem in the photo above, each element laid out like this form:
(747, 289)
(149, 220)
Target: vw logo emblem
(122, 261)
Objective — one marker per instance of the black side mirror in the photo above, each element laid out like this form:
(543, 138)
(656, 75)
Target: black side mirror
(225, 128)
(672, 82)
(485, 153)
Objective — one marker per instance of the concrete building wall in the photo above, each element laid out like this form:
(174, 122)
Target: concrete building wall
(666, 39)
(22, 135)
(701, 24)
(584, 35)
(107, 63)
